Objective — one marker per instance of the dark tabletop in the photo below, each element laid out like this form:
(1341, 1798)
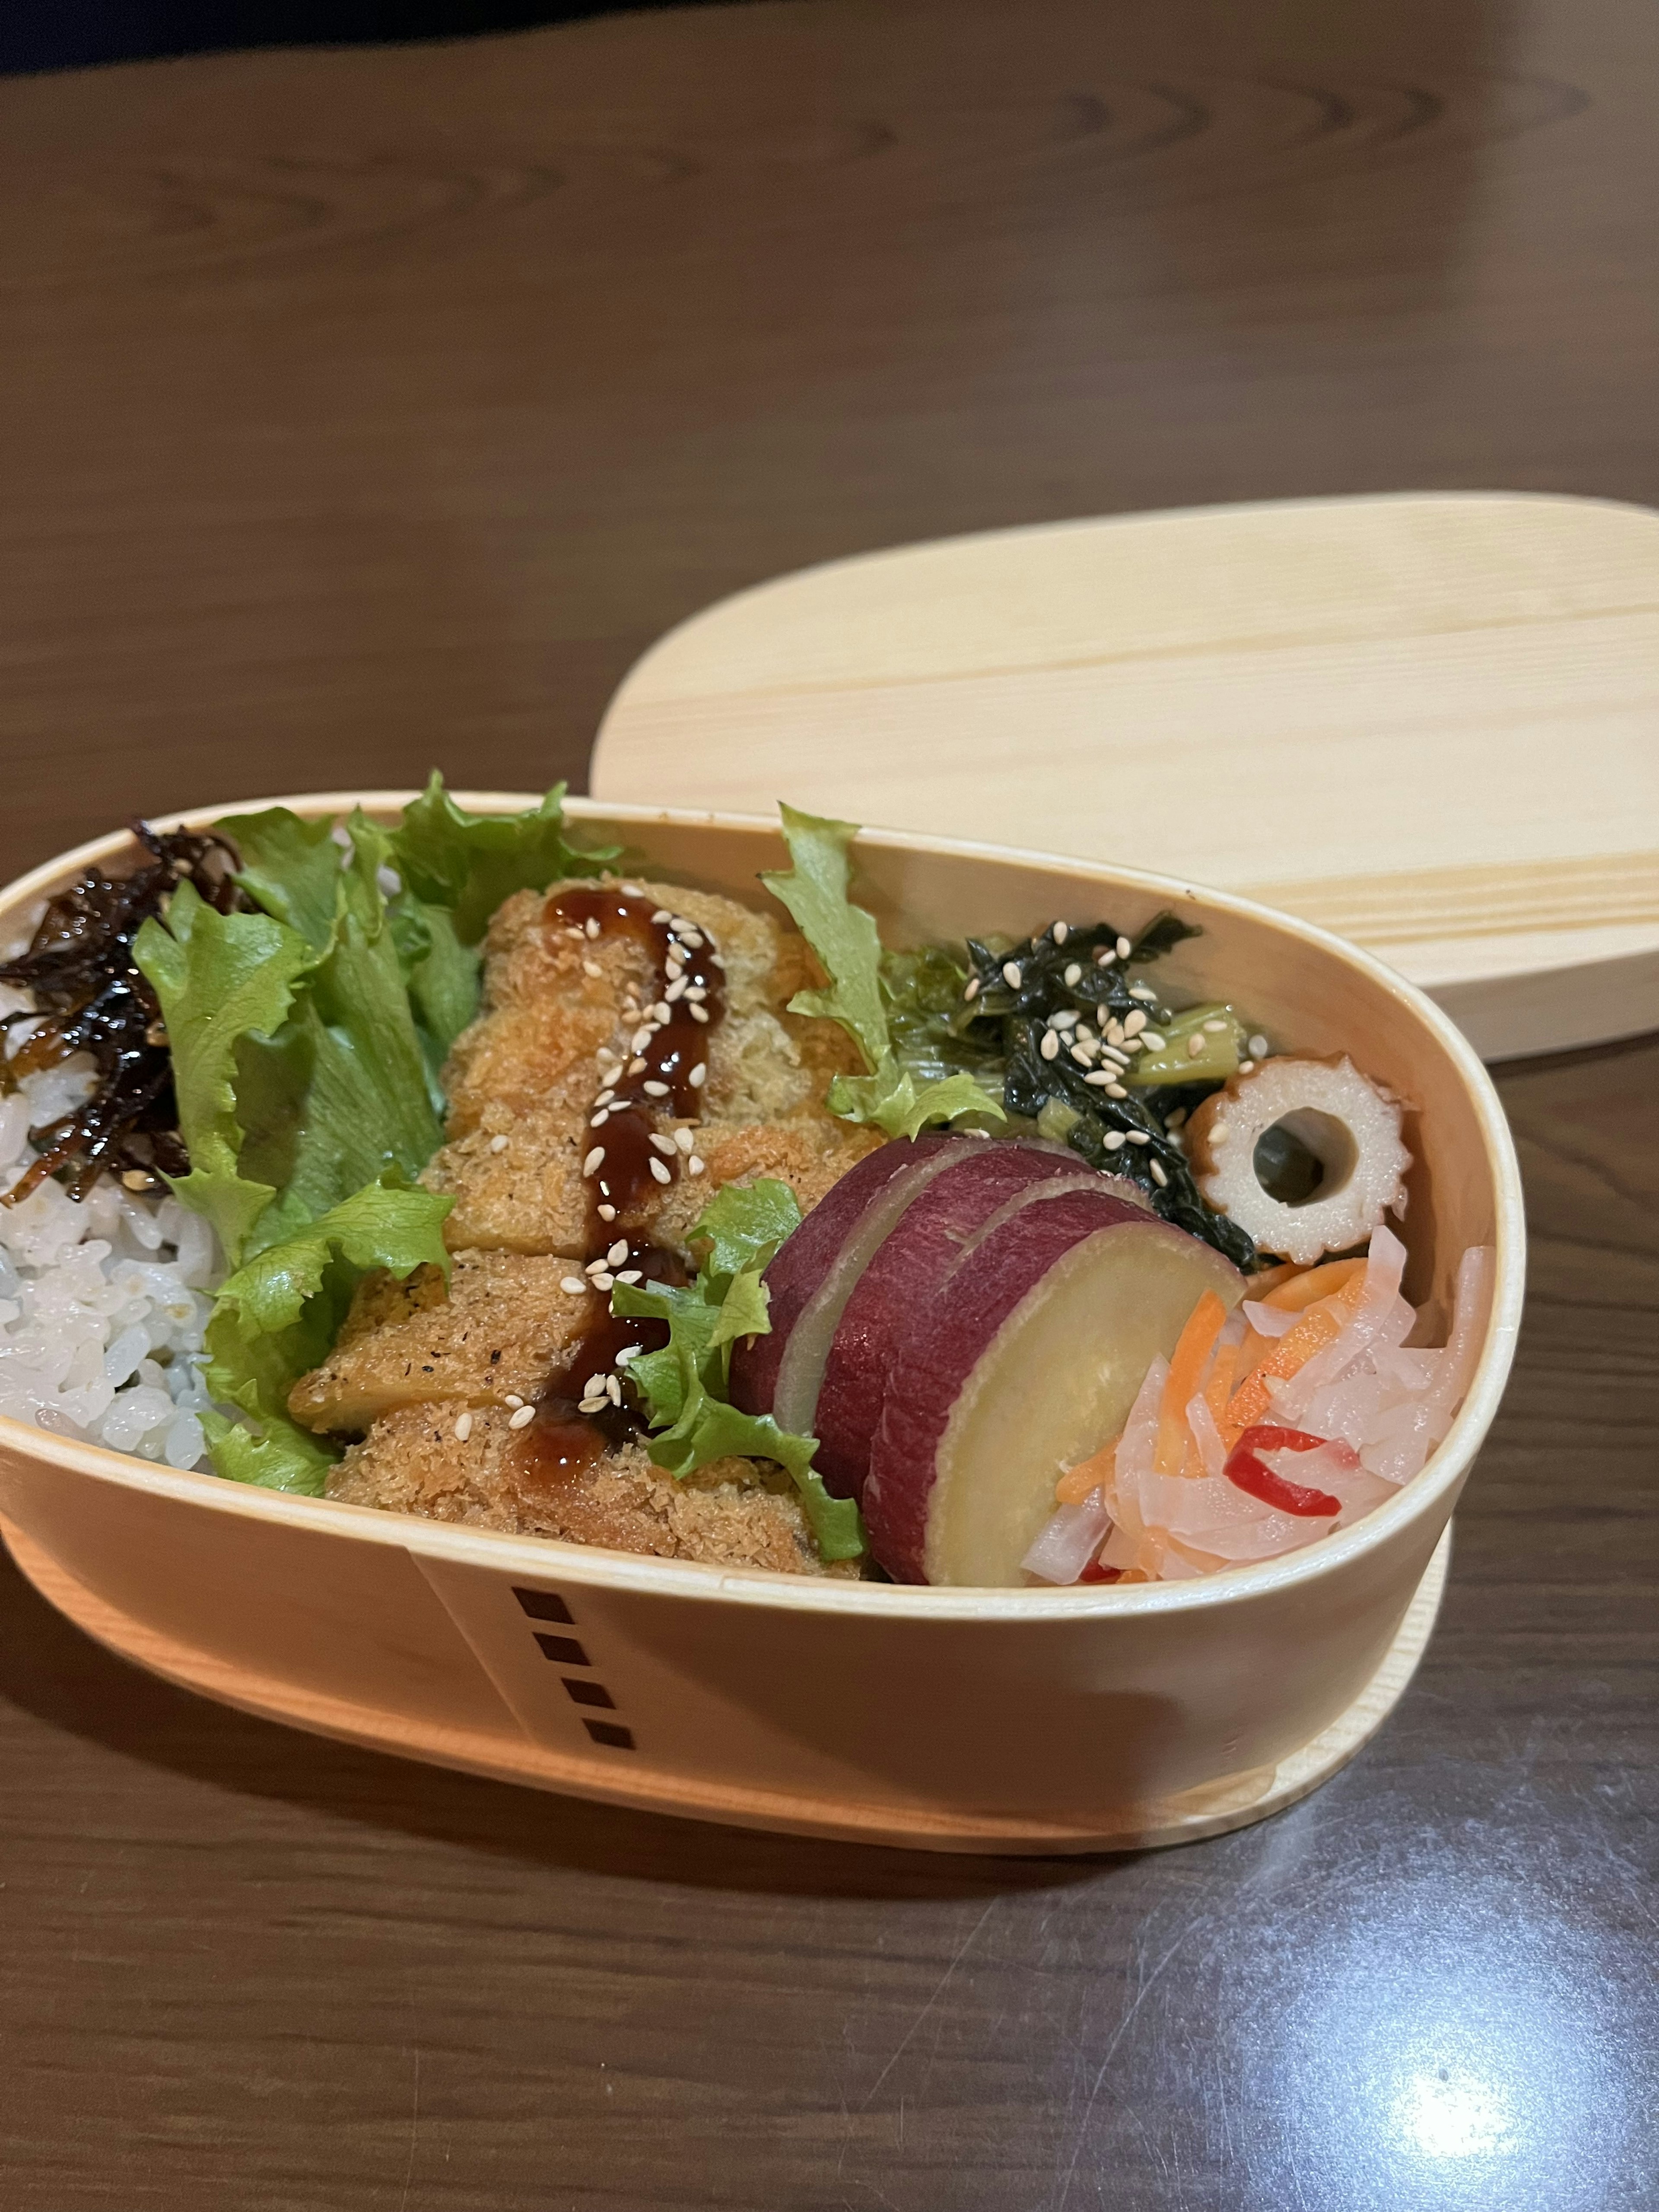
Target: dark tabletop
(364, 410)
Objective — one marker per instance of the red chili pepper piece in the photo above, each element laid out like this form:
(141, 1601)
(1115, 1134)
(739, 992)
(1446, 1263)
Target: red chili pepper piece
(1094, 1572)
(1250, 1474)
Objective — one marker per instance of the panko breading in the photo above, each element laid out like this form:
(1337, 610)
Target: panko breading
(729, 1513)
(504, 1323)
(523, 1083)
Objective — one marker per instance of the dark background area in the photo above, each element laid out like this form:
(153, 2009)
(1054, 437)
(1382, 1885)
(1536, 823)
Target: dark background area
(53, 34)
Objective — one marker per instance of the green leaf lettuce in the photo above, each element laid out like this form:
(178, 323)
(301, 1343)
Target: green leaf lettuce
(815, 891)
(685, 1385)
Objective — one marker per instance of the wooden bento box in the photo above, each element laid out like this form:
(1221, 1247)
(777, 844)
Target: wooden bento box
(1018, 1720)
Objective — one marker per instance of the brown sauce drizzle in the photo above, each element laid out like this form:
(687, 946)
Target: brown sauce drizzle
(657, 1083)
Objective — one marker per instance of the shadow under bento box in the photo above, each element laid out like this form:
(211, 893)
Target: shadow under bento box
(1016, 1720)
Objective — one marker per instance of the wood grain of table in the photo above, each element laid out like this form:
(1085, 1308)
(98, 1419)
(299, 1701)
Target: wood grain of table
(365, 409)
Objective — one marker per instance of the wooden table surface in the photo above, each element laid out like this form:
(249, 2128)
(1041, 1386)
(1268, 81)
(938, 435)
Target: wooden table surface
(370, 408)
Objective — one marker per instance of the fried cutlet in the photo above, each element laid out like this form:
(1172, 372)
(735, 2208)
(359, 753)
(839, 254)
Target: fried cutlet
(732, 1513)
(436, 1379)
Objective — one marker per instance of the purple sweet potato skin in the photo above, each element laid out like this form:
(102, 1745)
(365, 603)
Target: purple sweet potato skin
(942, 1348)
(803, 1261)
(899, 1283)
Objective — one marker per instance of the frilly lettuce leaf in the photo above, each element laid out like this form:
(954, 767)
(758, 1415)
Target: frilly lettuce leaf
(277, 1316)
(685, 1386)
(221, 979)
(471, 862)
(815, 892)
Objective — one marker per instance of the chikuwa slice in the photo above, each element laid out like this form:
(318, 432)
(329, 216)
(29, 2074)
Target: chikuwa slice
(1026, 1361)
(956, 1207)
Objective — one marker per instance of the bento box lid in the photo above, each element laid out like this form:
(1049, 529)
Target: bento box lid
(1429, 722)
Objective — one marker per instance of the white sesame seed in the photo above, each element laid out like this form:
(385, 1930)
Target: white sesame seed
(1195, 1044)
(1142, 991)
(607, 1213)
(698, 1077)
(592, 1405)
(1173, 1122)
(574, 1285)
(1139, 1137)
(675, 986)
(618, 1252)
(684, 1139)
(636, 1066)
(1105, 959)
(628, 1275)
(1246, 1068)
(1114, 1140)
(613, 1389)
(662, 1013)
(463, 1427)
(1082, 1053)
(498, 1144)
(662, 914)
(607, 1096)
(1062, 932)
(597, 1121)
(1133, 1022)
(1011, 973)
(694, 1165)
(633, 891)
(1219, 1133)
(1065, 1019)
(1099, 1078)
(523, 1418)
(1158, 1175)
(1124, 948)
(642, 1036)
(1114, 1030)
(629, 1352)
(675, 963)
(591, 968)
(1152, 1039)
(1133, 1043)
(664, 1145)
(604, 1280)
(595, 1267)
(594, 1387)
(1258, 1048)
(1050, 1047)
(591, 927)
(515, 1398)
(696, 994)
(594, 1161)
(1116, 1091)
(1073, 977)
(654, 1090)
(659, 1171)
(970, 989)
(700, 1013)
(1214, 1026)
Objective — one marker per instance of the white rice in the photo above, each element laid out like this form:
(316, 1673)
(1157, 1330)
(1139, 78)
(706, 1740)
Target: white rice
(103, 1302)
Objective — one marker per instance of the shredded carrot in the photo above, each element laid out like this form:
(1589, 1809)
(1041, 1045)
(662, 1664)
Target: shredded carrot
(1193, 1348)
(1094, 1473)
(1218, 1389)
(1273, 1279)
(1318, 1327)
(1306, 1290)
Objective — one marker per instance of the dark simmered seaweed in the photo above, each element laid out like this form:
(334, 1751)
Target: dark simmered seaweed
(79, 969)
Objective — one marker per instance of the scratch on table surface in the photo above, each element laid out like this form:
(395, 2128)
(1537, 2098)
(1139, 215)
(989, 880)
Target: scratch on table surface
(414, 2131)
(962, 1949)
(1123, 2027)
